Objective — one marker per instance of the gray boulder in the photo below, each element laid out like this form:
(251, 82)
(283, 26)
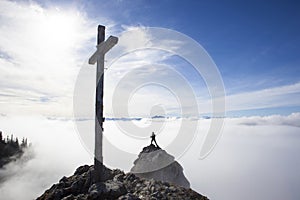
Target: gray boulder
(153, 162)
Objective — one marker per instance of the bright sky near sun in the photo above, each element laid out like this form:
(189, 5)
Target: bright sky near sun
(254, 44)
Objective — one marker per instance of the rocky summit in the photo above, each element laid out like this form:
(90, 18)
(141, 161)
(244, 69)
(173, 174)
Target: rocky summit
(154, 162)
(116, 185)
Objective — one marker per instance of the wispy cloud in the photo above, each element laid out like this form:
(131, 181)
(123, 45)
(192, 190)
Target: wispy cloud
(286, 95)
(42, 49)
(273, 97)
(278, 120)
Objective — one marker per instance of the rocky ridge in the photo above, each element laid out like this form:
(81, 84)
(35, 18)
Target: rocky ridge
(116, 185)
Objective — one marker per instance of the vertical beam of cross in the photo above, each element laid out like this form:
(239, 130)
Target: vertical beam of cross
(102, 48)
(98, 160)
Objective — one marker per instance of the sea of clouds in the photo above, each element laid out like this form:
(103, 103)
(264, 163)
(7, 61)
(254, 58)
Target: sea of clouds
(256, 157)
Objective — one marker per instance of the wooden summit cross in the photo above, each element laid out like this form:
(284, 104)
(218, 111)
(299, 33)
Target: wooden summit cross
(102, 48)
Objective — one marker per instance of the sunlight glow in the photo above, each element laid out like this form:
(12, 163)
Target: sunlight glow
(58, 29)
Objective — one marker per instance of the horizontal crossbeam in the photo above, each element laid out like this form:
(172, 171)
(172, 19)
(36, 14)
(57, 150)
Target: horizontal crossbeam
(103, 48)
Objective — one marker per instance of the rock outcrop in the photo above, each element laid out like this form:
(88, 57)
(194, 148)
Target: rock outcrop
(153, 162)
(117, 185)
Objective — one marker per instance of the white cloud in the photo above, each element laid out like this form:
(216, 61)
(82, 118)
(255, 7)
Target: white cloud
(278, 120)
(248, 160)
(42, 49)
(56, 152)
(130, 41)
(281, 96)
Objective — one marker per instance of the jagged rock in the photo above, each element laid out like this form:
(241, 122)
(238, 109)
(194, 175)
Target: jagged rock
(128, 196)
(109, 189)
(82, 169)
(153, 162)
(81, 186)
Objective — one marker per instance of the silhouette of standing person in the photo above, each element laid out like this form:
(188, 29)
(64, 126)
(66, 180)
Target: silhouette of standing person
(153, 139)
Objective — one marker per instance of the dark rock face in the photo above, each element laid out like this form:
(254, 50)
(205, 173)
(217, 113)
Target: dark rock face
(118, 185)
(156, 163)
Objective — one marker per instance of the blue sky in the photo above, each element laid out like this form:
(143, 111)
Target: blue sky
(255, 45)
